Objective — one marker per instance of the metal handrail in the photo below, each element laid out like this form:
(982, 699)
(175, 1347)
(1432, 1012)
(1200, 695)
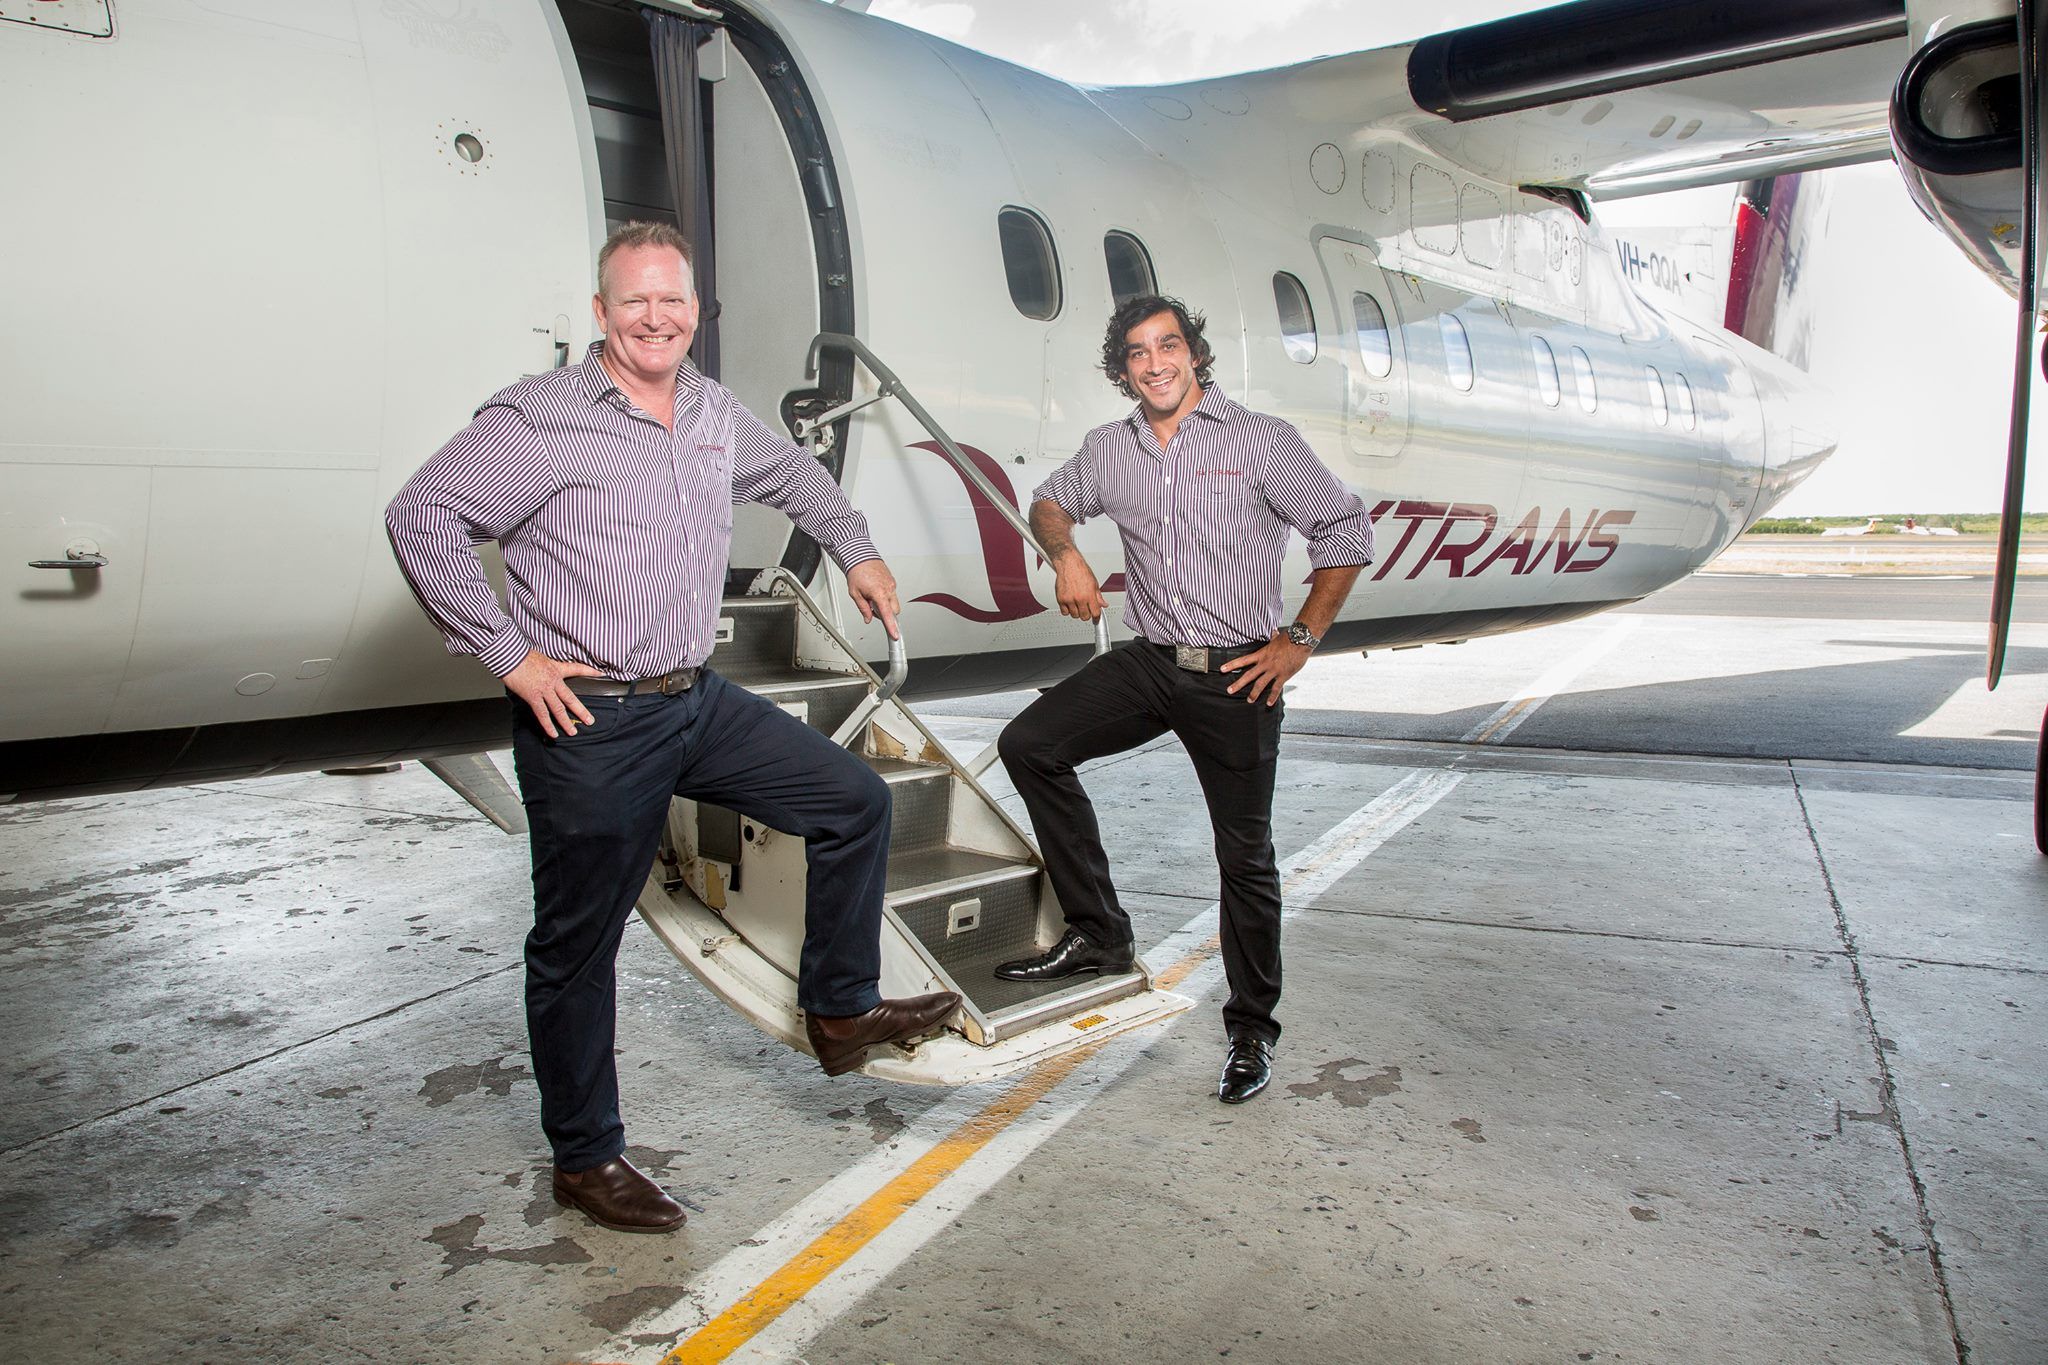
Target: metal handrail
(892, 387)
(886, 686)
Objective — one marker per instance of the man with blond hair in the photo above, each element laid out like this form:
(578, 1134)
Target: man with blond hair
(609, 486)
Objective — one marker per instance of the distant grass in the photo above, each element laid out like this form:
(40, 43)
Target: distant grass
(1968, 523)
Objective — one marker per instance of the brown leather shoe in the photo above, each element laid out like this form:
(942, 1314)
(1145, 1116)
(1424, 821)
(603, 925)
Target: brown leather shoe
(619, 1197)
(840, 1045)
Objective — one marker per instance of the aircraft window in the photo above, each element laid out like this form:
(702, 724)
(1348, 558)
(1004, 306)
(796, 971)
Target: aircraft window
(1582, 373)
(1457, 352)
(1546, 370)
(1373, 342)
(1660, 407)
(1686, 411)
(1433, 209)
(1297, 319)
(1130, 268)
(1481, 230)
(1030, 263)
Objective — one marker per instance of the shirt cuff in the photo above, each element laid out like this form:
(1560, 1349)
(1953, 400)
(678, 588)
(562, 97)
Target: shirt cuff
(1339, 552)
(504, 653)
(852, 552)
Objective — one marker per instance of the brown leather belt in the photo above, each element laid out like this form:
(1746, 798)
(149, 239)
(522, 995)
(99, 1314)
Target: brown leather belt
(668, 684)
(1205, 658)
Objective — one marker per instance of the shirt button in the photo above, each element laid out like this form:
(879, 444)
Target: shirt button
(1169, 479)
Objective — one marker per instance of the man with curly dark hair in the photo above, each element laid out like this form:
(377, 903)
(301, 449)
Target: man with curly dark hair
(1203, 493)
(1194, 329)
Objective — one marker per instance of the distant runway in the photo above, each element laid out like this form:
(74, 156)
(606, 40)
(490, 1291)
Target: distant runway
(1864, 669)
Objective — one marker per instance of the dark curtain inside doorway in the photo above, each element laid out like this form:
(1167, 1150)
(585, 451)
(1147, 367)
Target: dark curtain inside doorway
(686, 134)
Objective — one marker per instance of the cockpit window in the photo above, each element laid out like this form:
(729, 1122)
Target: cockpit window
(1030, 263)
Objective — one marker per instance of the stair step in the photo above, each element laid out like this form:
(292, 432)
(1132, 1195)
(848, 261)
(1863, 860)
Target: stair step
(821, 705)
(922, 804)
(939, 870)
(763, 638)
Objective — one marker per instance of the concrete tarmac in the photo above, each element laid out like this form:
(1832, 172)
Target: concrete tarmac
(1693, 1008)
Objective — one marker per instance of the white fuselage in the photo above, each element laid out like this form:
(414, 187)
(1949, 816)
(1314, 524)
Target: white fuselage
(267, 257)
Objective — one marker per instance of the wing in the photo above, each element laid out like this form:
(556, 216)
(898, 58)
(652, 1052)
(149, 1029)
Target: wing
(1628, 97)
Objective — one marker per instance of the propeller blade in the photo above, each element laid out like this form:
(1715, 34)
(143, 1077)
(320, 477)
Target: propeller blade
(2005, 575)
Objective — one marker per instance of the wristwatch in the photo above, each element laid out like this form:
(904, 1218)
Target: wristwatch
(1303, 636)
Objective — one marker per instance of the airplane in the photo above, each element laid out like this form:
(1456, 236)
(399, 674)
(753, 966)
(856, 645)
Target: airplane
(265, 257)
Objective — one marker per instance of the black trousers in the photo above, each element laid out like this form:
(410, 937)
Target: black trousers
(596, 801)
(1131, 696)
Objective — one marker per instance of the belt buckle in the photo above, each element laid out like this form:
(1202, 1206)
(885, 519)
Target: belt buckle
(1194, 658)
(678, 681)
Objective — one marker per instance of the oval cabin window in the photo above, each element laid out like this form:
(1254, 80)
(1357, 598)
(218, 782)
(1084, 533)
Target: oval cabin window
(1297, 319)
(1687, 413)
(1546, 370)
(1374, 344)
(1660, 407)
(1130, 267)
(1582, 375)
(1030, 264)
(1457, 352)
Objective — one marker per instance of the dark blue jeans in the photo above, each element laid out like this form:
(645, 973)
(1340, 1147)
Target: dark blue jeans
(596, 801)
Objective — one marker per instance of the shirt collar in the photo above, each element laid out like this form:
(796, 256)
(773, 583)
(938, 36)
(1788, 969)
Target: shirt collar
(1213, 405)
(598, 383)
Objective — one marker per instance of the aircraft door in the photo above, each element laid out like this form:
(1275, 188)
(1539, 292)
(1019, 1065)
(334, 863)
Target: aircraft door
(74, 539)
(1375, 363)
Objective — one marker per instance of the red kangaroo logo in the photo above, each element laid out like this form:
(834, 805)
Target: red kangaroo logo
(1002, 549)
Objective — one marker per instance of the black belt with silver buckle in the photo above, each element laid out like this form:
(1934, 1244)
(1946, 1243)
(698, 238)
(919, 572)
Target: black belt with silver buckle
(668, 684)
(1205, 658)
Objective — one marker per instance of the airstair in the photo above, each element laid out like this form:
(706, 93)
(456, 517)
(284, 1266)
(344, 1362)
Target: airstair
(966, 887)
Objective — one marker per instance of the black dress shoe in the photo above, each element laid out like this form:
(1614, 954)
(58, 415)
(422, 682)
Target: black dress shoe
(1071, 956)
(1246, 1070)
(617, 1196)
(841, 1044)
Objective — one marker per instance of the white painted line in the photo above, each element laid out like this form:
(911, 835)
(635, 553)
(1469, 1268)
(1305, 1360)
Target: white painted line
(1304, 879)
(1511, 713)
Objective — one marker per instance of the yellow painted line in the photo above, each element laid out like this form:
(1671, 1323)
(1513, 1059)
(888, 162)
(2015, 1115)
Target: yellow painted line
(1511, 714)
(749, 1316)
(803, 1272)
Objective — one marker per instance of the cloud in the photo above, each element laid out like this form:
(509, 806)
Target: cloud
(944, 18)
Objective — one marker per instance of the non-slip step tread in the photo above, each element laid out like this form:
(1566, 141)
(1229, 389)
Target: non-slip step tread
(913, 873)
(768, 682)
(994, 996)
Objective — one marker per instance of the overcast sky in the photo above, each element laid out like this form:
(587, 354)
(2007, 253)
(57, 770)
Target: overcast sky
(1915, 343)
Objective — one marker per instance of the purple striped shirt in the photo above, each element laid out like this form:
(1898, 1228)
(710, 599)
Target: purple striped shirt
(615, 530)
(1204, 522)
